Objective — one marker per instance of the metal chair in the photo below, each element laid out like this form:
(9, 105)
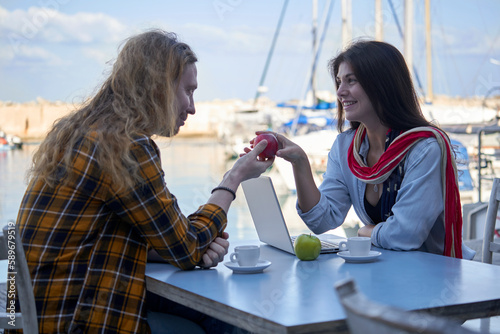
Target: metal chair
(20, 282)
(489, 246)
(367, 316)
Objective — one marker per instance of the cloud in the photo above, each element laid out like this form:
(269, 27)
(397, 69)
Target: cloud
(218, 39)
(41, 24)
(41, 35)
(29, 55)
(460, 41)
(98, 54)
(245, 39)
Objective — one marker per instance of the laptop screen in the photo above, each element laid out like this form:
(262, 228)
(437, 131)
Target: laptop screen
(266, 213)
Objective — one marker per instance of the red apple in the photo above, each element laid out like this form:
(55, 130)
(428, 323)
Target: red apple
(272, 145)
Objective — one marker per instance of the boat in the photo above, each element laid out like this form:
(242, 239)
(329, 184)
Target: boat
(9, 142)
(300, 118)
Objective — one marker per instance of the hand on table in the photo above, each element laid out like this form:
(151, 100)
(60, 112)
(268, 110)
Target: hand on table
(215, 252)
(366, 231)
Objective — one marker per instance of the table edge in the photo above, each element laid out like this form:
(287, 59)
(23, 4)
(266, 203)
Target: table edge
(208, 306)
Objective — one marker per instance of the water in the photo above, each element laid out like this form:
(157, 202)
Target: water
(13, 166)
(193, 167)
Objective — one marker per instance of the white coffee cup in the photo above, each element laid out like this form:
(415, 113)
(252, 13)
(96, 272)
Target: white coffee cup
(246, 256)
(357, 246)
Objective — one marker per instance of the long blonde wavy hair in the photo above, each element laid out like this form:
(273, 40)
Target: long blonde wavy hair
(138, 98)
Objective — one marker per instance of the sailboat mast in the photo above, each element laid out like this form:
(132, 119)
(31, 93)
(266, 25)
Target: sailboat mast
(408, 34)
(307, 87)
(428, 50)
(314, 46)
(270, 54)
(346, 23)
(379, 22)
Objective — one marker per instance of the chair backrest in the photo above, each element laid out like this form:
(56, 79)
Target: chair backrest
(367, 316)
(489, 227)
(18, 281)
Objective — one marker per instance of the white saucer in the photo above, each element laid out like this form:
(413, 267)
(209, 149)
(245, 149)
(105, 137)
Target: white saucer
(235, 267)
(372, 256)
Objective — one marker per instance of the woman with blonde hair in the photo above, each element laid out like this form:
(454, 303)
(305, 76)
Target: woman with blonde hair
(97, 201)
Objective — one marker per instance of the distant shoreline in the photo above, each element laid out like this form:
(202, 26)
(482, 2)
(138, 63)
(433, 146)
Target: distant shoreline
(32, 120)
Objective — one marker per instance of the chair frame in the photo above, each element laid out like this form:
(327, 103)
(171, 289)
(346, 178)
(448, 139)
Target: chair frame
(489, 246)
(365, 316)
(27, 318)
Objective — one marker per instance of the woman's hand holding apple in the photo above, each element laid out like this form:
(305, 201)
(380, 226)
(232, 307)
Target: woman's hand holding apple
(272, 145)
(287, 149)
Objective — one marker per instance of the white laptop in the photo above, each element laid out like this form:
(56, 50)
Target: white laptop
(268, 217)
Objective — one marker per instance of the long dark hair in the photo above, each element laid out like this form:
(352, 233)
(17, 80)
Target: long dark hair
(382, 72)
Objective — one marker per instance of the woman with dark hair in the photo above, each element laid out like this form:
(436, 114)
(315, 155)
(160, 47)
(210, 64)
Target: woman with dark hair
(395, 168)
(97, 202)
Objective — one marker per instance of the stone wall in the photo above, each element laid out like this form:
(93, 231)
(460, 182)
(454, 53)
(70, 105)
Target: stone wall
(32, 120)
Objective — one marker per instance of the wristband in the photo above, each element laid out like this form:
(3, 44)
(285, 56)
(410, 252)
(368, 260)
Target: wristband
(226, 189)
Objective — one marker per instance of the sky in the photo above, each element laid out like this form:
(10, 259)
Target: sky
(61, 50)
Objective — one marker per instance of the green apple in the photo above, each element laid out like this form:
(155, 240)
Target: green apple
(307, 247)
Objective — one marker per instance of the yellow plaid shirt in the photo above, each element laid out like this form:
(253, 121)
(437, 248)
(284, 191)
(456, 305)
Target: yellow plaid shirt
(86, 243)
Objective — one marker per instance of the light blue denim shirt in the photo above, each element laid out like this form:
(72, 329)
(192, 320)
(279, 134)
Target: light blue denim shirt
(418, 220)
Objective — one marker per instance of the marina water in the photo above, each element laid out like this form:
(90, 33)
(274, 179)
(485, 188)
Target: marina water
(192, 166)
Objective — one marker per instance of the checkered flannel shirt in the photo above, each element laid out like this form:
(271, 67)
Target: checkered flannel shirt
(86, 243)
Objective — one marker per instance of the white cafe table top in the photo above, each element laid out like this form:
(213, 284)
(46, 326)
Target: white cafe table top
(294, 296)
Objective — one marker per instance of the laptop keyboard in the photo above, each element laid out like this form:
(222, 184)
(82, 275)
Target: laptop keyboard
(324, 244)
(328, 245)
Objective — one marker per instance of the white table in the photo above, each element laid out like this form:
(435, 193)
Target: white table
(293, 296)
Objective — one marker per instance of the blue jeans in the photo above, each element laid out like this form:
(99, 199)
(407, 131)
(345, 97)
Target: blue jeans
(165, 316)
(163, 323)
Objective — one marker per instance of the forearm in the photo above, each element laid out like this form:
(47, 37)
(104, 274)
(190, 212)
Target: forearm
(246, 167)
(223, 198)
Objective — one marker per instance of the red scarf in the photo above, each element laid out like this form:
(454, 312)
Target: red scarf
(391, 158)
